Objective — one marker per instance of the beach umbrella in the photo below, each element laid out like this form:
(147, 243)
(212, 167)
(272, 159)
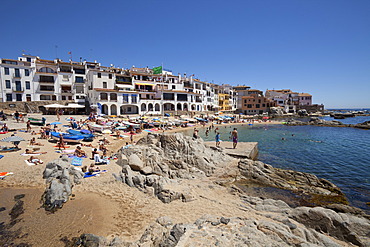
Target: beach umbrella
(12, 139)
(54, 123)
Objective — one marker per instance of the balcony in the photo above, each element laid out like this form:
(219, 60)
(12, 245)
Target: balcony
(18, 89)
(123, 82)
(17, 75)
(66, 91)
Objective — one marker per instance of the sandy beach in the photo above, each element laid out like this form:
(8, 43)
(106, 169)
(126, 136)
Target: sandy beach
(100, 205)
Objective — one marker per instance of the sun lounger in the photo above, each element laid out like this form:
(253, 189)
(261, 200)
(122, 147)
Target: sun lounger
(24, 154)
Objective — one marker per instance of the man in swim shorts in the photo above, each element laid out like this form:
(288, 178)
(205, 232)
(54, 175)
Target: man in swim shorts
(234, 135)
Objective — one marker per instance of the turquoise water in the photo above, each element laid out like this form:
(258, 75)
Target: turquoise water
(340, 155)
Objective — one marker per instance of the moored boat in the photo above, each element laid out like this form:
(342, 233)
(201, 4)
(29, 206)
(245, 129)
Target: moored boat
(37, 121)
(67, 137)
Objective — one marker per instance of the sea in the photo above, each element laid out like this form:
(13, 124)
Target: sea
(338, 154)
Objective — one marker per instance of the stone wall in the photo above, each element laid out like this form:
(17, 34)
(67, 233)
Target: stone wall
(30, 106)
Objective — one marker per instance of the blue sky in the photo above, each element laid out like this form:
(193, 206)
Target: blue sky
(317, 46)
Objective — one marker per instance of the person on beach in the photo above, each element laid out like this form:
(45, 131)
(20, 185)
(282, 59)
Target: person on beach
(28, 125)
(16, 116)
(218, 140)
(195, 133)
(34, 160)
(234, 135)
(61, 142)
(27, 151)
(33, 142)
(5, 128)
(79, 152)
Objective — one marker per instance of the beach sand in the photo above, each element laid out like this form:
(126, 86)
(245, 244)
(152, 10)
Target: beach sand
(101, 205)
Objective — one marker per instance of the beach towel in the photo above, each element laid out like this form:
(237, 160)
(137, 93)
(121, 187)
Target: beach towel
(74, 156)
(77, 161)
(29, 163)
(24, 154)
(64, 146)
(87, 175)
(4, 174)
(148, 130)
(68, 151)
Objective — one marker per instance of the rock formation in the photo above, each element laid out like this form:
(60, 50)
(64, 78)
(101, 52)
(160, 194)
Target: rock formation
(60, 177)
(260, 173)
(364, 125)
(158, 159)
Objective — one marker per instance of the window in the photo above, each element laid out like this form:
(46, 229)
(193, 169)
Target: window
(249, 106)
(28, 97)
(80, 71)
(6, 71)
(134, 98)
(110, 76)
(103, 96)
(44, 78)
(7, 84)
(45, 97)
(257, 105)
(104, 84)
(99, 75)
(26, 72)
(46, 70)
(9, 97)
(125, 98)
(79, 79)
(46, 88)
(80, 89)
(113, 96)
(28, 85)
(17, 73)
(18, 97)
(173, 87)
(28, 59)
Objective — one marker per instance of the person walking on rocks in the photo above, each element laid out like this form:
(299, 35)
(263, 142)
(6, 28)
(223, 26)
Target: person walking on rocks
(218, 140)
(234, 135)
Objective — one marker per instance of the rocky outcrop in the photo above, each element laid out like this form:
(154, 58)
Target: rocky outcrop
(275, 230)
(364, 125)
(260, 173)
(342, 226)
(158, 159)
(60, 177)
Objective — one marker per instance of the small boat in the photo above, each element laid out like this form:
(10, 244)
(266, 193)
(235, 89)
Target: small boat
(37, 121)
(99, 128)
(87, 134)
(67, 137)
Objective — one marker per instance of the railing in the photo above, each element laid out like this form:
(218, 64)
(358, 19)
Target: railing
(15, 75)
(124, 82)
(45, 81)
(18, 89)
(66, 91)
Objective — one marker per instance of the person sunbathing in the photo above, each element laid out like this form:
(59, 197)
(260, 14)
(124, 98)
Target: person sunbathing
(93, 169)
(79, 152)
(34, 160)
(60, 144)
(33, 142)
(27, 151)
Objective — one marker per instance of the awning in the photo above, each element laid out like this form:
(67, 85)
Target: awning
(144, 84)
(73, 105)
(54, 106)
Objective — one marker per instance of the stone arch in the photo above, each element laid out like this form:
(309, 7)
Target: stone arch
(186, 107)
(157, 107)
(169, 107)
(179, 107)
(193, 107)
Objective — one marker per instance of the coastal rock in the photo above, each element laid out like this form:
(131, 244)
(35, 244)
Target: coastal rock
(60, 177)
(304, 183)
(364, 125)
(158, 159)
(344, 227)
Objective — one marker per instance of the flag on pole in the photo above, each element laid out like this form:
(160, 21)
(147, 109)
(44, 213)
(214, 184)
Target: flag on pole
(157, 70)
(69, 52)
